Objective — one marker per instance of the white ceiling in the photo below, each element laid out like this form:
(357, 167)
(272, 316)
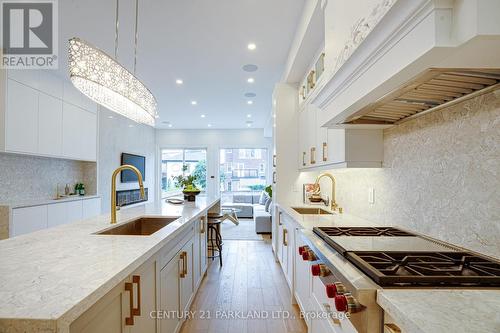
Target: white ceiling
(202, 42)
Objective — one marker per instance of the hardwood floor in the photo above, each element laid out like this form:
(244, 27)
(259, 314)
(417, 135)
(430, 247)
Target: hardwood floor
(250, 284)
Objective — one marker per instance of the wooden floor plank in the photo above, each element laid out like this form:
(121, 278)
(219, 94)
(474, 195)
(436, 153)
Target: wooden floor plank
(250, 283)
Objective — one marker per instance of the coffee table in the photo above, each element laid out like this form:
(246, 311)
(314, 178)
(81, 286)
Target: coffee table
(229, 213)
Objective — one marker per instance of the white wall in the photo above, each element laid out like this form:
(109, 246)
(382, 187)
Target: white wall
(116, 137)
(213, 140)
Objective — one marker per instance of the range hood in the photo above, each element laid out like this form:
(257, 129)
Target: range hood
(422, 56)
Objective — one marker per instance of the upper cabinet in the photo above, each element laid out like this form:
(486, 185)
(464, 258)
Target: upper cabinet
(336, 148)
(44, 115)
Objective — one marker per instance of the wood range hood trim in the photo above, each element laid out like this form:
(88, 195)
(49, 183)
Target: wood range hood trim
(420, 46)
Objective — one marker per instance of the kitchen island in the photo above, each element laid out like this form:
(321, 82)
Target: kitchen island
(52, 277)
(413, 310)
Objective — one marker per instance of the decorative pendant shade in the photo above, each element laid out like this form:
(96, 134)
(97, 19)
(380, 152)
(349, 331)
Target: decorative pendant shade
(106, 82)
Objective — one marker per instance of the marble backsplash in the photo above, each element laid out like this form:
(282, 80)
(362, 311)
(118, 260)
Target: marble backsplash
(28, 178)
(441, 176)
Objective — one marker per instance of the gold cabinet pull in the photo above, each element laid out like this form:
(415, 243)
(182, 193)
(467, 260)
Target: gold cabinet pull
(184, 261)
(285, 232)
(391, 328)
(325, 152)
(313, 155)
(303, 158)
(202, 225)
(137, 280)
(182, 257)
(279, 219)
(129, 321)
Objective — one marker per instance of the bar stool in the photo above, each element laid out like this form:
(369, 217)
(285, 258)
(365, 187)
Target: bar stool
(214, 239)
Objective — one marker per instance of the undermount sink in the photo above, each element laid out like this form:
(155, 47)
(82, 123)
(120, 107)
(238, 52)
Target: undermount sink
(143, 226)
(311, 211)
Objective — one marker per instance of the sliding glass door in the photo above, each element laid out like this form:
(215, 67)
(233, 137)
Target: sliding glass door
(175, 162)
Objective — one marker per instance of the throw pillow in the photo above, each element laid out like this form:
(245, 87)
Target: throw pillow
(269, 201)
(263, 197)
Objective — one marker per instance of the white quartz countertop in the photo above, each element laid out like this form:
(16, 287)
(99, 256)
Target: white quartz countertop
(30, 203)
(414, 310)
(442, 310)
(58, 273)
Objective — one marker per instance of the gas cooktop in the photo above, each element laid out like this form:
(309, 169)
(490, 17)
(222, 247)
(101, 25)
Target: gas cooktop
(362, 231)
(444, 269)
(397, 258)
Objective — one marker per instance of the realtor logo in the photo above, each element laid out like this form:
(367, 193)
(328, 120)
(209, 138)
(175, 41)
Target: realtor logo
(29, 34)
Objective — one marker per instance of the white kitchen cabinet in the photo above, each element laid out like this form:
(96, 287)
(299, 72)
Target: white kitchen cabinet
(338, 148)
(64, 213)
(302, 278)
(79, 133)
(199, 250)
(28, 219)
(35, 120)
(144, 291)
(107, 315)
(176, 287)
(50, 125)
(21, 118)
(91, 208)
(126, 308)
(186, 281)
(303, 139)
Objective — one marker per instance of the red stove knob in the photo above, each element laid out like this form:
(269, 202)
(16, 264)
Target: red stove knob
(308, 255)
(303, 249)
(333, 289)
(319, 270)
(341, 303)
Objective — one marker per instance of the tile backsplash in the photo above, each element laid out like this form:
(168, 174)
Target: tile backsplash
(441, 176)
(29, 178)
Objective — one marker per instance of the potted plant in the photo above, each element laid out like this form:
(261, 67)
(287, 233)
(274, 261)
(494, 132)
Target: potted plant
(187, 184)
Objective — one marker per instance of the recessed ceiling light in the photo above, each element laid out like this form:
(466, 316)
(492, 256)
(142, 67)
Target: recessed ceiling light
(168, 123)
(249, 102)
(250, 68)
(209, 125)
(179, 81)
(274, 115)
(194, 102)
(203, 116)
(130, 125)
(250, 80)
(252, 46)
(249, 115)
(274, 125)
(110, 117)
(250, 95)
(249, 123)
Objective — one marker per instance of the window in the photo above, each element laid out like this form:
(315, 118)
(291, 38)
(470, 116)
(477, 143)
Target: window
(242, 170)
(173, 162)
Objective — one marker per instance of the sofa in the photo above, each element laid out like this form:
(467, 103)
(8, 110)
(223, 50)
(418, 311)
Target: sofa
(262, 219)
(245, 202)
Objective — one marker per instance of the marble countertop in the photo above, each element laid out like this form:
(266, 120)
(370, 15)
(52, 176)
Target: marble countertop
(54, 275)
(29, 203)
(442, 310)
(414, 310)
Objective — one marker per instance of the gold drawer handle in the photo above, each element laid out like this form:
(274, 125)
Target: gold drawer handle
(303, 158)
(313, 155)
(325, 152)
(137, 280)
(202, 225)
(129, 321)
(285, 241)
(183, 258)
